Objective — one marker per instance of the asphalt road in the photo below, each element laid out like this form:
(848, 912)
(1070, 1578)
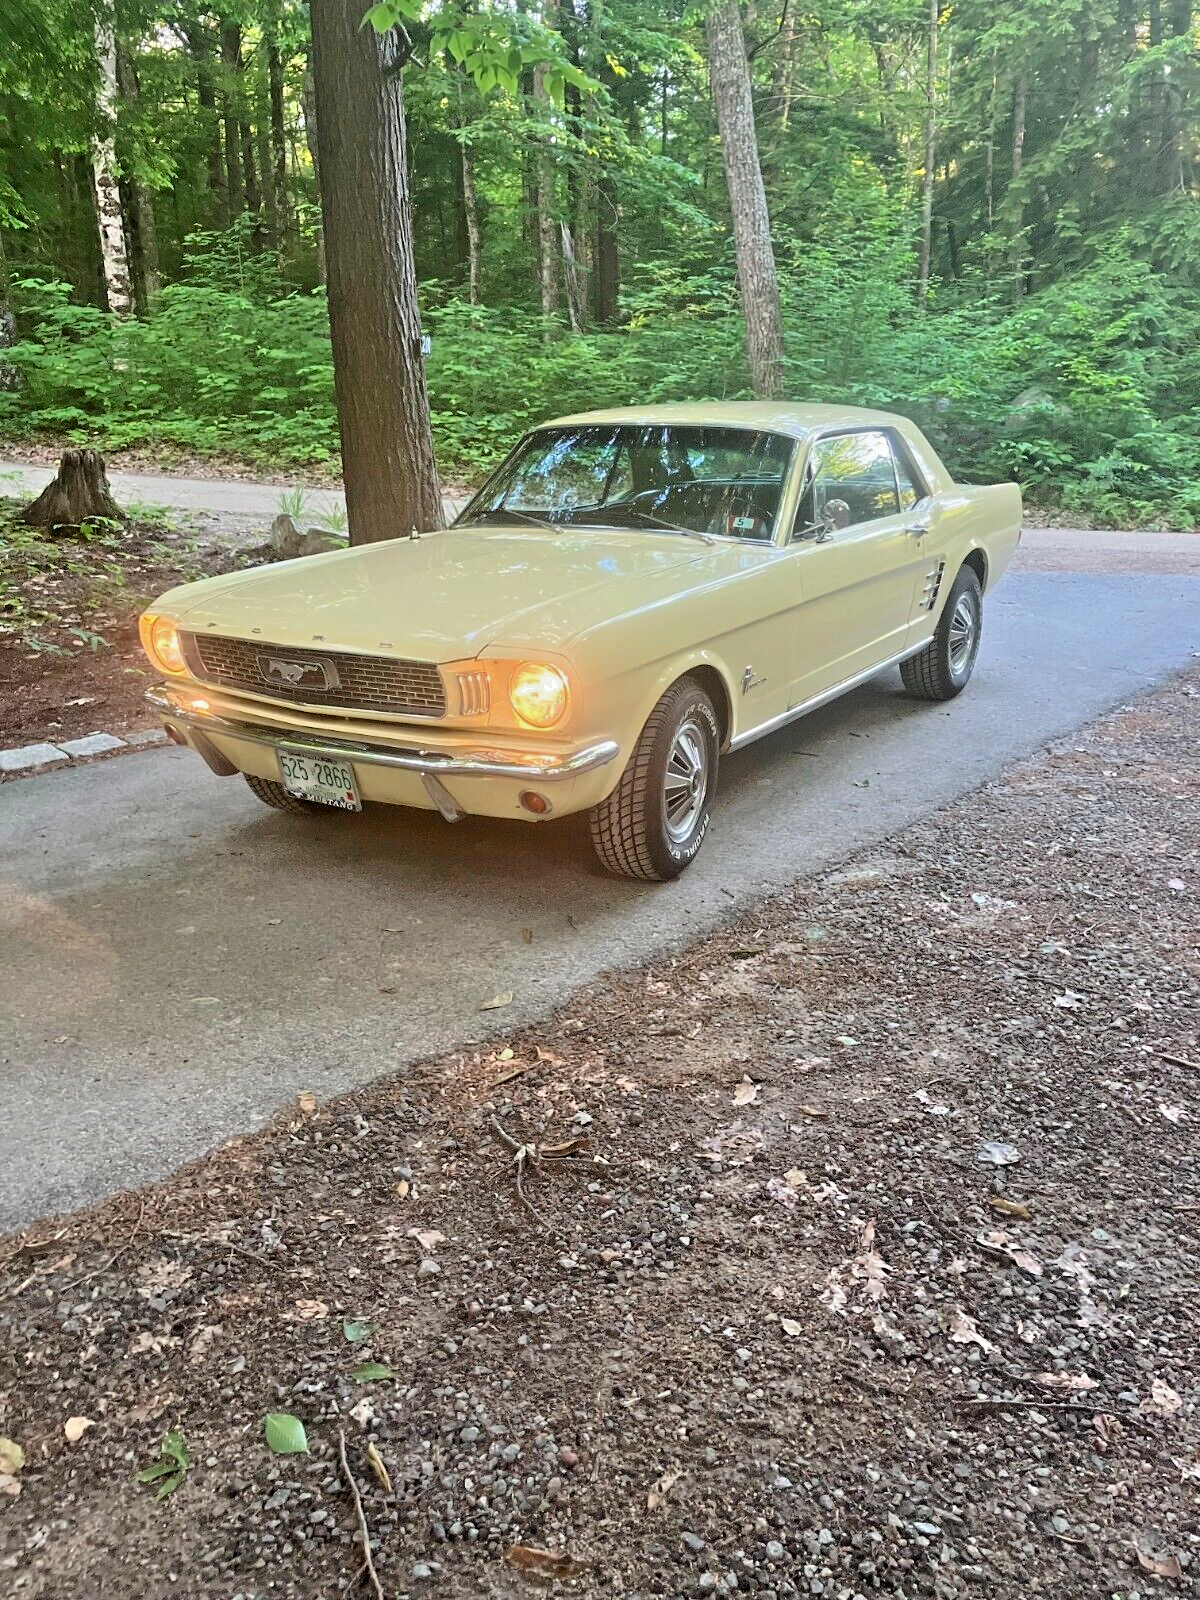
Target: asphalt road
(178, 962)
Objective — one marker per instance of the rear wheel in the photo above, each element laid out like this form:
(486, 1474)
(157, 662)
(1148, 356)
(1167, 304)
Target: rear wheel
(654, 822)
(274, 794)
(943, 668)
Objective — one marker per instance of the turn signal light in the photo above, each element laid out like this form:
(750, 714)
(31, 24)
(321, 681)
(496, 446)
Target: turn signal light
(538, 693)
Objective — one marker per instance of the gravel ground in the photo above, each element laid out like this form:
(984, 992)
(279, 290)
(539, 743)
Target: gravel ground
(855, 1254)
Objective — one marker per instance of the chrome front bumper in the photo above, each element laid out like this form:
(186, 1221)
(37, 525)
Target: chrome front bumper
(177, 705)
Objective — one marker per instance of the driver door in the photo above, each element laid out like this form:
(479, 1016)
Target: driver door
(857, 561)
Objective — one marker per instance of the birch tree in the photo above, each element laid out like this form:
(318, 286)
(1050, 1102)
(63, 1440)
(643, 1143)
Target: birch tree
(114, 248)
(758, 283)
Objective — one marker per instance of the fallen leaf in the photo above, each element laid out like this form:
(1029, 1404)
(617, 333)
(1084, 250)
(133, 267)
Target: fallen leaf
(1009, 1208)
(845, 1040)
(869, 1265)
(527, 935)
(996, 1153)
(660, 1489)
(371, 1372)
(309, 1311)
(354, 1331)
(814, 1112)
(1163, 1402)
(1002, 1243)
(402, 1188)
(307, 1103)
(834, 1293)
(792, 1329)
(378, 1467)
(544, 1563)
(746, 1093)
(498, 1001)
(12, 1457)
(1174, 1114)
(427, 1238)
(76, 1427)
(1176, 885)
(1164, 1566)
(964, 1331)
(548, 1057)
(1068, 1000)
(9, 1484)
(285, 1434)
(198, 1349)
(1066, 1382)
(506, 1054)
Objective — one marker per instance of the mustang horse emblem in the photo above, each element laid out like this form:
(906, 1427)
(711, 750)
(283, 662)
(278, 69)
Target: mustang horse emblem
(292, 674)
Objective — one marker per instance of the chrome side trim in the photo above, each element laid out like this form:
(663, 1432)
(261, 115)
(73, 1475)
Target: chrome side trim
(822, 699)
(470, 764)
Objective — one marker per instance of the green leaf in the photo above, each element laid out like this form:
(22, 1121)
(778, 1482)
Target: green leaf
(173, 1445)
(459, 45)
(157, 1470)
(168, 1471)
(506, 79)
(355, 1332)
(381, 17)
(371, 1372)
(285, 1434)
(486, 79)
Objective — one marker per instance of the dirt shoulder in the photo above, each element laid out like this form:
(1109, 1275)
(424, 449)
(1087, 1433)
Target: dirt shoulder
(868, 1264)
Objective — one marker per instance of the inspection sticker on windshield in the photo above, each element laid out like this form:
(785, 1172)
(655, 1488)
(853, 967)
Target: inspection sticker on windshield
(743, 524)
(328, 783)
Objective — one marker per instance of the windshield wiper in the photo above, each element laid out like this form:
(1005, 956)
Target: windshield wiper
(651, 521)
(521, 516)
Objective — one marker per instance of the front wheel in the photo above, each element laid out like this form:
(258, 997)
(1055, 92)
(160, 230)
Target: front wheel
(941, 670)
(275, 795)
(654, 822)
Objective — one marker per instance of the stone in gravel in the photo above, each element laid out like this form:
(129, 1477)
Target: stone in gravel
(693, 1541)
(29, 756)
(92, 744)
(428, 1268)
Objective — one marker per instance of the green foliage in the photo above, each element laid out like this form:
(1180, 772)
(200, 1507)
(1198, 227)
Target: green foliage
(168, 1471)
(1086, 393)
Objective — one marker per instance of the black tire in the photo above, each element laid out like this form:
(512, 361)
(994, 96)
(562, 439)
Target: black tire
(632, 832)
(942, 670)
(274, 794)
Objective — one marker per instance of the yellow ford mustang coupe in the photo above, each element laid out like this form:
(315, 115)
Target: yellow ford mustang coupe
(629, 596)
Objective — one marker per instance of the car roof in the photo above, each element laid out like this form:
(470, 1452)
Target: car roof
(795, 420)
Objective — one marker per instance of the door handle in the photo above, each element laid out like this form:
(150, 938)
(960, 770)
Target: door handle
(917, 529)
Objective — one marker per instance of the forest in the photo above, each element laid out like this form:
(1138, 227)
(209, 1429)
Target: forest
(984, 217)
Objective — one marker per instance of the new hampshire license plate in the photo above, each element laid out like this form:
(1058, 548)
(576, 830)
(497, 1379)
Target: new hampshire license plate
(329, 783)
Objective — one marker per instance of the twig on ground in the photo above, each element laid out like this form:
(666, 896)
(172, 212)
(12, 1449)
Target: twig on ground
(985, 1402)
(523, 1155)
(364, 1531)
(1176, 1061)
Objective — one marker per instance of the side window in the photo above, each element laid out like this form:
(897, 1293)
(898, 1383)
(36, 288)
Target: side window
(851, 479)
(910, 489)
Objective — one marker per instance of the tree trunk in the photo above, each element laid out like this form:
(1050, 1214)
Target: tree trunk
(757, 280)
(471, 212)
(78, 493)
(308, 106)
(931, 47)
(607, 258)
(253, 198)
(114, 249)
(278, 186)
(1018, 208)
(231, 60)
(547, 229)
(379, 374)
(141, 200)
(575, 307)
(206, 94)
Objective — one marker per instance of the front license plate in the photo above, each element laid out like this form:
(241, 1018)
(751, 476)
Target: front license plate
(329, 783)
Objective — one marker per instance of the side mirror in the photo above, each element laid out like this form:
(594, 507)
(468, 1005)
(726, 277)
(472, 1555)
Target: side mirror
(835, 516)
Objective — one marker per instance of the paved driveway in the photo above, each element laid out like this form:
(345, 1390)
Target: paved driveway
(179, 962)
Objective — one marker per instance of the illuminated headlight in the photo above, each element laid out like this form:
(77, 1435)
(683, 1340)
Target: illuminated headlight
(160, 641)
(538, 694)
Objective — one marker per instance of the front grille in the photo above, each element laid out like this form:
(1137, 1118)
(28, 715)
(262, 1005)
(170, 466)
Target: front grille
(323, 678)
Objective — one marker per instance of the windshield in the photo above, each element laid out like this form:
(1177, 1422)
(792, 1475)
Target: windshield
(706, 481)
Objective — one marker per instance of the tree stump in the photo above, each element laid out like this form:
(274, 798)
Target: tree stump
(78, 493)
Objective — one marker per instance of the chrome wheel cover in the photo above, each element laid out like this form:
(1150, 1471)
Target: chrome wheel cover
(964, 634)
(685, 784)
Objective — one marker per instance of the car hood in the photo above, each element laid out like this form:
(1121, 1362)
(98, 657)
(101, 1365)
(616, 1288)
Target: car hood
(444, 596)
